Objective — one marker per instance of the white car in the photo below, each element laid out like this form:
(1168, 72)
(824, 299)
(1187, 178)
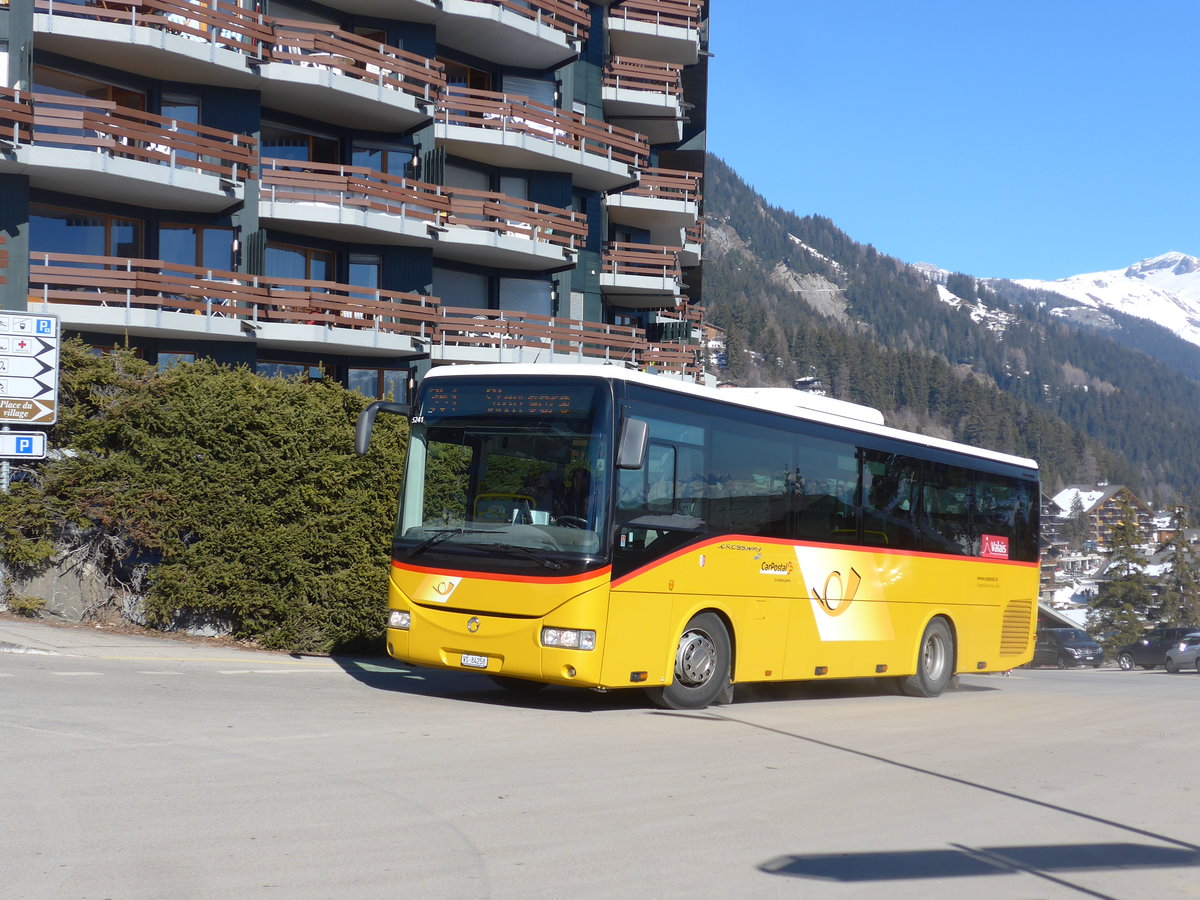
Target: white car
(1183, 653)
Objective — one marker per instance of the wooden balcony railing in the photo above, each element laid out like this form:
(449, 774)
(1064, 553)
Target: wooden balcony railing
(213, 21)
(568, 16)
(625, 73)
(274, 40)
(673, 13)
(67, 278)
(311, 44)
(49, 120)
(520, 115)
(694, 234)
(16, 117)
(642, 260)
(464, 327)
(361, 188)
(151, 284)
(667, 184)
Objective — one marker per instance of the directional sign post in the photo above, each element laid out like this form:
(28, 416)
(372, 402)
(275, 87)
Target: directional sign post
(28, 369)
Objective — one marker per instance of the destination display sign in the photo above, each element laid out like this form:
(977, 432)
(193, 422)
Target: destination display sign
(28, 369)
(499, 399)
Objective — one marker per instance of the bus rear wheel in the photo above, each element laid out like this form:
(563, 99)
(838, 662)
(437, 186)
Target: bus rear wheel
(702, 666)
(935, 662)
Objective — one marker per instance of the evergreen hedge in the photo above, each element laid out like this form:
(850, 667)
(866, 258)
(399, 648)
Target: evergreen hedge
(221, 496)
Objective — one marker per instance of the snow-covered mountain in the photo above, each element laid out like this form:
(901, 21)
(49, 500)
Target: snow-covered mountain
(1165, 290)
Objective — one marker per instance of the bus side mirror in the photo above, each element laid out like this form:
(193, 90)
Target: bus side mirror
(366, 421)
(631, 451)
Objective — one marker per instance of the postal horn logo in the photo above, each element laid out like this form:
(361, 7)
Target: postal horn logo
(445, 588)
(837, 596)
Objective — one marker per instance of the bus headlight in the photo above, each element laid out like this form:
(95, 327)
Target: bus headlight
(400, 618)
(569, 638)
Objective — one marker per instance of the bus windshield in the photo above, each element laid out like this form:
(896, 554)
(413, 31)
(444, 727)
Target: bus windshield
(508, 475)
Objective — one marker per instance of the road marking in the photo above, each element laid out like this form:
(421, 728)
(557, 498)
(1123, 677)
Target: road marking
(158, 673)
(72, 674)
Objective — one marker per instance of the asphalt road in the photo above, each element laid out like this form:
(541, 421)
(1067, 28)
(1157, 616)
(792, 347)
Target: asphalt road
(138, 767)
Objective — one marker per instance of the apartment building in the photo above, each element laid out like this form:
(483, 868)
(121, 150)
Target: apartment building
(358, 189)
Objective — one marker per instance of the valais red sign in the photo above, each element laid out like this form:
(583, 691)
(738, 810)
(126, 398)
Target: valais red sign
(994, 547)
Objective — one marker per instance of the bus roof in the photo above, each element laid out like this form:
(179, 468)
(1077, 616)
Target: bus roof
(782, 401)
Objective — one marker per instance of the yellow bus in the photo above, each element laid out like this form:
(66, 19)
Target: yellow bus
(593, 526)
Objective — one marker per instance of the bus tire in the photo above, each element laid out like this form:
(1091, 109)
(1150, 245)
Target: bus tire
(935, 662)
(517, 685)
(702, 666)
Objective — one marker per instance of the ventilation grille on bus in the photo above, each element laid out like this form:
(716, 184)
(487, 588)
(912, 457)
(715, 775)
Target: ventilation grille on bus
(1018, 623)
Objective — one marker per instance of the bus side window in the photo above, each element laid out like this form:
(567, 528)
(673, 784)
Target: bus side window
(660, 474)
(945, 511)
(890, 500)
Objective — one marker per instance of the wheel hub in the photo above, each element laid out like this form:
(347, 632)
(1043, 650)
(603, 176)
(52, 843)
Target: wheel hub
(696, 659)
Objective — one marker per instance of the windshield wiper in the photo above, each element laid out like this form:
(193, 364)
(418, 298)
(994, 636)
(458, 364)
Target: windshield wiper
(526, 552)
(441, 535)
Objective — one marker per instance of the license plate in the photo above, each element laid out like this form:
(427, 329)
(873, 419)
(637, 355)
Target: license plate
(475, 662)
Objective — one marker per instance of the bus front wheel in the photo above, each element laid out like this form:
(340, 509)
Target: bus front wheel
(935, 662)
(702, 666)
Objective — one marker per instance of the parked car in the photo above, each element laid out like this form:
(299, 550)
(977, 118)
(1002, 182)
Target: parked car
(1066, 647)
(1183, 653)
(1152, 649)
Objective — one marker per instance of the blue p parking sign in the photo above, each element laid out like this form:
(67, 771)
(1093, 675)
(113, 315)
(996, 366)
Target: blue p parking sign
(22, 445)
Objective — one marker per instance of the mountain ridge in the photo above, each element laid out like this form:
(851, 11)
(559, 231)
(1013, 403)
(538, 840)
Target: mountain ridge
(987, 362)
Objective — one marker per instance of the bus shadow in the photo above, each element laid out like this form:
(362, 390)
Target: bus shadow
(958, 861)
(387, 674)
(383, 673)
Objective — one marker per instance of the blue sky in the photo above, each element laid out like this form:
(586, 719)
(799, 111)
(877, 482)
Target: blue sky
(1011, 138)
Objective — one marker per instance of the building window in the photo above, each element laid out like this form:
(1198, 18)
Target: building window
(197, 245)
(303, 263)
(67, 84)
(278, 142)
(463, 289)
(379, 384)
(461, 75)
(56, 230)
(174, 358)
(527, 295)
(391, 159)
(302, 371)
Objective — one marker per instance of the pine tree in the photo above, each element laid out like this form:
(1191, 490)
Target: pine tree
(1181, 584)
(1077, 528)
(1124, 603)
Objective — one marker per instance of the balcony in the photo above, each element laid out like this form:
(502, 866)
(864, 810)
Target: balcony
(149, 297)
(667, 30)
(145, 297)
(532, 34)
(646, 95)
(325, 73)
(693, 245)
(95, 148)
(474, 335)
(306, 68)
(514, 131)
(640, 276)
(205, 43)
(352, 203)
(665, 201)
